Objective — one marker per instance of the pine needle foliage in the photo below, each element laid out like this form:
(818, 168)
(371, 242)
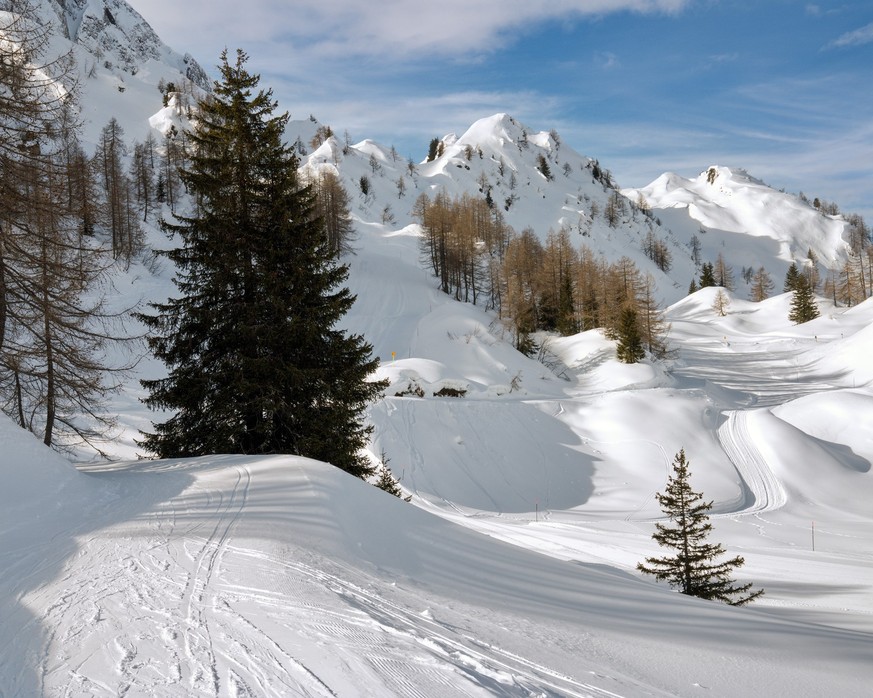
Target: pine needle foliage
(629, 348)
(803, 306)
(255, 363)
(693, 568)
(388, 483)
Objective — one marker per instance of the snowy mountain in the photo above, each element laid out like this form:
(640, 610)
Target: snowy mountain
(749, 223)
(512, 570)
(727, 209)
(120, 61)
(119, 39)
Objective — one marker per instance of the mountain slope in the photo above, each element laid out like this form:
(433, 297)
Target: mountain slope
(276, 575)
(726, 207)
(744, 220)
(512, 570)
(112, 32)
(120, 61)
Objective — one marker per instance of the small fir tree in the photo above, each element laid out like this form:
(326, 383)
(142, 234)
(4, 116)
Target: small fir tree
(543, 167)
(792, 278)
(707, 275)
(388, 483)
(567, 323)
(433, 149)
(630, 342)
(693, 568)
(803, 305)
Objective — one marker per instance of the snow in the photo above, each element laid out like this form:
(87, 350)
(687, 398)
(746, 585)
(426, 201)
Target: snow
(735, 203)
(512, 570)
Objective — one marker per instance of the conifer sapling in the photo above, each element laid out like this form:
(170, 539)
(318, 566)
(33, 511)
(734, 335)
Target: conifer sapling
(693, 568)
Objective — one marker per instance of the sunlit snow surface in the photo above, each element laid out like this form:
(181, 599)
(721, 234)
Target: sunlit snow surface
(279, 576)
(512, 571)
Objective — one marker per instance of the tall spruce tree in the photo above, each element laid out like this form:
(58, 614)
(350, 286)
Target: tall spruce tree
(693, 569)
(255, 362)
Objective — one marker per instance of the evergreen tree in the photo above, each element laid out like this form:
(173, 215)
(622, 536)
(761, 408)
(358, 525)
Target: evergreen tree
(803, 305)
(630, 342)
(693, 569)
(543, 167)
(567, 324)
(255, 364)
(388, 483)
(792, 278)
(433, 149)
(707, 275)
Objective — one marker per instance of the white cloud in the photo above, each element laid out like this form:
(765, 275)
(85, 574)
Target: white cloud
(607, 60)
(362, 27)
(858, 37)
(427, 116)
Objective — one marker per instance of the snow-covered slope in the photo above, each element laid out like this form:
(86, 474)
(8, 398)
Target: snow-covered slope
(730, 213)
(117, 36)
(280, 576)
(501, 157)
(512, 571)
(120, 62)
(745, 220)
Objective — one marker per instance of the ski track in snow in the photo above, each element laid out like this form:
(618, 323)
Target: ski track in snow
(167, 585)
(198, 640)
(758, 375)
(162, 607)
(502, 672)
(763, 491)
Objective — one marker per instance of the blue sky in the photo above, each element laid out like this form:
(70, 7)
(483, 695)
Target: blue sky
(783, 88)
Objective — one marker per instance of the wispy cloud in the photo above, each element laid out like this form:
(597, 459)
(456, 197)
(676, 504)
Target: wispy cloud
(436, 115)
(358, 27)
(402, 72)
(607, 60)
(724, 57)
(815, 10)
(858, 37)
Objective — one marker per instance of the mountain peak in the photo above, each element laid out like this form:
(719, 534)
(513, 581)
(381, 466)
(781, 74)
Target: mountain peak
(499, 130)
(118, 38)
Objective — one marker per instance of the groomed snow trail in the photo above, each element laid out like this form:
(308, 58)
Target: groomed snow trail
(754, 373)
(197, 597)
(763, 491)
